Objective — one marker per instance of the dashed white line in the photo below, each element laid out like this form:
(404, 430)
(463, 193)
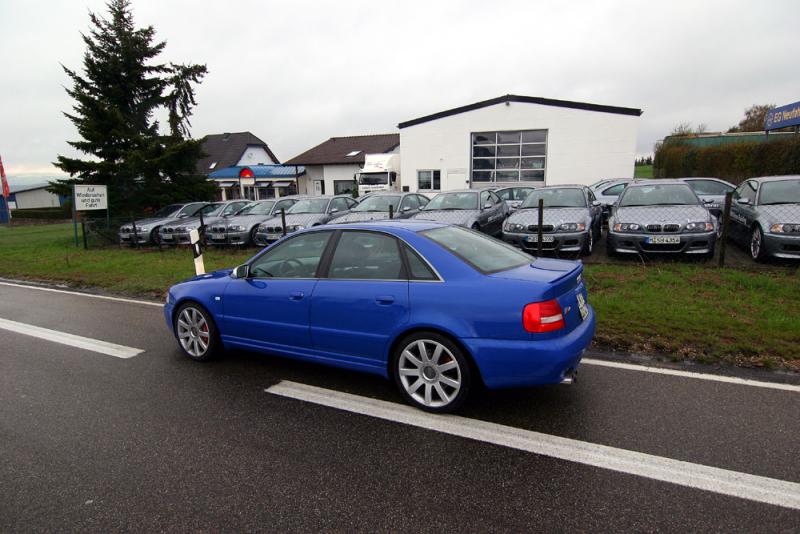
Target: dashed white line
(94, 345)
(690, 374)
(79, 294)
(713, 479)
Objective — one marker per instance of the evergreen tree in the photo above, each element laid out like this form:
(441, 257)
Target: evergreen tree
(116, 98)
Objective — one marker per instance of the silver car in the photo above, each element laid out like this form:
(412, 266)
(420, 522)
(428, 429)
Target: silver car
(470, 208)
(146, 230)
(661, 216)
(712, 191)
(376, 207)
(241, 228)
(514, 196)
(178, 232)
(572, 220)
(608, 193)
(765, 215)
(308, 212)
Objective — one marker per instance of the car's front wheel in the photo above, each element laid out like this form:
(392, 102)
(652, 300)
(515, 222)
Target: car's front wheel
(757, 244)
(588, 243)
(431, 372)
(196, 332)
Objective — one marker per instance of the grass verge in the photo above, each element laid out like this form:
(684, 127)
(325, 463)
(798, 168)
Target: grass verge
(689, 311)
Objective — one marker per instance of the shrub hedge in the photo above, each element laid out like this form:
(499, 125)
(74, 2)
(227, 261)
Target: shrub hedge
(42, 213)
(734, 162)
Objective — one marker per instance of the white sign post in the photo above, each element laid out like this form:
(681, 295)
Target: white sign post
(87, 198)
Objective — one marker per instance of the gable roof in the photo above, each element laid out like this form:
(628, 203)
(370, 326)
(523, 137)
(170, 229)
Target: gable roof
(226, 150)
(335, 149)
(527, 100)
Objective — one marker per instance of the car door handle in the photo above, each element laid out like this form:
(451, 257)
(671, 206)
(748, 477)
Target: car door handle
(296, 295)
(384, 300)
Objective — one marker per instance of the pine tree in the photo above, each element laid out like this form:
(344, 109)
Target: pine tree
(116, 98)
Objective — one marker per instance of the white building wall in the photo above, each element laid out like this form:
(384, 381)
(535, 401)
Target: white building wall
(36, 198)
(342, 171)
(256, 155)
(582, 146)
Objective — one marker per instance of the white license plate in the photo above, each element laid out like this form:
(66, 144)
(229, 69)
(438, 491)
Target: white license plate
(535, 238)
(663, 239)
(166, 237)
(274, 237)
(218, 237)
(582, 307)
(125, 236)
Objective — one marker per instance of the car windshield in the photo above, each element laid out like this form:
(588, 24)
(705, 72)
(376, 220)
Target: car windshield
(599, 183)
(482, 252)
(453, 201)
(378, 178)
(309, 205)
(258, 208)
(782, 192)
(556, 198)
(378, 203)
(658, 195)
(212, 210)
(166, 211)
(191, 210)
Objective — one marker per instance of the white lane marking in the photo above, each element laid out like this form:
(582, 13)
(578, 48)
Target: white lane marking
(689, 374)
(722, 481)
(94, 345)
(79, 294)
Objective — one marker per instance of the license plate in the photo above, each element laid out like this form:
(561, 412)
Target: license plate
(664, 240)
(166, 237)
(582, 307)
(535, 238)
(125, 236)
(218, 237)
(274, 237)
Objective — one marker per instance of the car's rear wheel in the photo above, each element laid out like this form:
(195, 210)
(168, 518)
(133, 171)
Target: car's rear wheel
(588, 243)
(431, 372)
(757, 244)
(196, 332)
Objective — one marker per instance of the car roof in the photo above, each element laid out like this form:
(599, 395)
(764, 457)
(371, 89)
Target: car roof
(762, 179)
(658, 181)
(412, 225)
(463, 191)
(563, 186)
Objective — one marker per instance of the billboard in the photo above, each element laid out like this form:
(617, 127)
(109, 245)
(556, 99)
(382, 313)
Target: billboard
(90, 197)
(788, 115)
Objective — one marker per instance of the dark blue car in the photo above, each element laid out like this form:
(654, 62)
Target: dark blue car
(436, 308)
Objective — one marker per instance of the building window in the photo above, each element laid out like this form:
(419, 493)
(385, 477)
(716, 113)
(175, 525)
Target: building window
(509, 156)
(429, 180)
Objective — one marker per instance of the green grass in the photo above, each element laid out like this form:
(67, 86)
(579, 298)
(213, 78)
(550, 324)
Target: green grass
(643, 171)
(690, 311)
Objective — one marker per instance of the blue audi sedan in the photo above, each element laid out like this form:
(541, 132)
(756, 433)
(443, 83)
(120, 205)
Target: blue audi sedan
(436, 308)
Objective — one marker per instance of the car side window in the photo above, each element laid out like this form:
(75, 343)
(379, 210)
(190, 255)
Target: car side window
(297, 257)
(614, 191)
(746, 190)
(339, 204)
(419, 270)
(423, 200)
(592, 198)
(522, 194)
(485, 199)
(409, 202)
(350, 203)
(494, 198)
(506, 194)
(366, 256)
(283, 204)
(709, 187)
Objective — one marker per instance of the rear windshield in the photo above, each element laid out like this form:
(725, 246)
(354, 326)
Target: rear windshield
(658, 195)
(482, 252)
(556, 198)
(783, 192)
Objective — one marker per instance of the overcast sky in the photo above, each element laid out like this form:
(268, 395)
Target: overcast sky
(296, 73)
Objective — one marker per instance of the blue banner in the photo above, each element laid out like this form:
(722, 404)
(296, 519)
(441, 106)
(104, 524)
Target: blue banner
(783, 116)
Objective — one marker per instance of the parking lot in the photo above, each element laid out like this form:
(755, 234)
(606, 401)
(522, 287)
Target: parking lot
(152, 441)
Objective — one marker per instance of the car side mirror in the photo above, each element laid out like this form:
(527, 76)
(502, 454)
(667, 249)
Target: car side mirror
(708, 201)
(488, 205)
(745, 201)
(334, 210)
(241, 271)
(406, 208)
(183, 216)
(596, 203)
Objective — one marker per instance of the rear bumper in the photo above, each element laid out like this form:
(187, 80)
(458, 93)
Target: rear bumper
(781, 246)
(507, 363)
(562, 242)
(637, 243)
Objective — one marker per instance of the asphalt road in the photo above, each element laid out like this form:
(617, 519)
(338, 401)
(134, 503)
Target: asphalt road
(155, 442)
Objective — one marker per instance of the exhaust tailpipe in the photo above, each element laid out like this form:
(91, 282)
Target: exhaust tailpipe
(570, 377)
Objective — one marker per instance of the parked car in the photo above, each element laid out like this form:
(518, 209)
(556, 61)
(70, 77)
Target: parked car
(658, 216)
(765, 215)
(573, 220)
(470, 208)
(608, 193)
(241, 228)
(376, 207)
(712, 191)
(436, 308)
(514, 196)
(178, 232)
(146, 230)
(307, 212)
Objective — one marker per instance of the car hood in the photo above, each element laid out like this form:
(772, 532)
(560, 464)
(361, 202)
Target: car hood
(552, 216)
(299, 219)
(246, 220)
(358, 216)
(193, 222)
(459, 217)
(780, 213)
(152, 221)
(645, 215)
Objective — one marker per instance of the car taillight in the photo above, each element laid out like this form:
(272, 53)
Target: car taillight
(540, 317)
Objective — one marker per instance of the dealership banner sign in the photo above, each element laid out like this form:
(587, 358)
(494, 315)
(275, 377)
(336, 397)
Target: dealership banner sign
(90, 197)
(783, 116)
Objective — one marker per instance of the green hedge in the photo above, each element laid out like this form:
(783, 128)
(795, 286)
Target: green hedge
(734, 162)
(42, 213)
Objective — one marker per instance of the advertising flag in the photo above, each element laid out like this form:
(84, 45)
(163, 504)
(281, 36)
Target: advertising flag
(6, 191)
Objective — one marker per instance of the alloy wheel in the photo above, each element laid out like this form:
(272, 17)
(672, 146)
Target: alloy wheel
(755, 243)
(429, 373)
(193, 332)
